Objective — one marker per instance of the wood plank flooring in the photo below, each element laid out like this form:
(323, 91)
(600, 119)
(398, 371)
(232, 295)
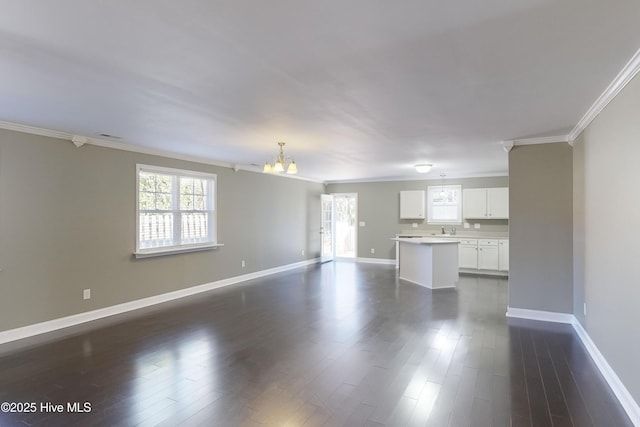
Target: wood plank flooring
(337, 344)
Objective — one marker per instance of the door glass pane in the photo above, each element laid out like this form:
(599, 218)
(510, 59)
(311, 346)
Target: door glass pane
(327, 228)
(345, 225)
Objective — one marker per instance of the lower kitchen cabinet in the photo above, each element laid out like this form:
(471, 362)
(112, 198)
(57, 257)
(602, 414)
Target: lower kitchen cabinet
(480, 256)
(468, 253)
(488, 254)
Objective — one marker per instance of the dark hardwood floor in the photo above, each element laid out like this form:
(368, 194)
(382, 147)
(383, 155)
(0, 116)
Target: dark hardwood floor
(335, 344)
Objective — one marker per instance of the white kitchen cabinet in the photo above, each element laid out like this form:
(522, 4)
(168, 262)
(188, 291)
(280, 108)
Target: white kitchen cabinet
(468, 253)
(475, 255)
(474, 203)
(412, 204)
(498, 203)
(485, 203)
(503, 255)
(488, 254)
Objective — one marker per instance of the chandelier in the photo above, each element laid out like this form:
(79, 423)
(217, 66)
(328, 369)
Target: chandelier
(281, 164)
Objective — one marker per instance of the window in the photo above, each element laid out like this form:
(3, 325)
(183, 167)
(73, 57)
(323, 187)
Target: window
(444, 204)
(176, 211)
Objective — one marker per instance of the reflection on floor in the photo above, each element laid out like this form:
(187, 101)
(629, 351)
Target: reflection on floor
(334, 344)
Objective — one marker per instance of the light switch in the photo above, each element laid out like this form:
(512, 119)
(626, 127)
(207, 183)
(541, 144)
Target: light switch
(476, 225)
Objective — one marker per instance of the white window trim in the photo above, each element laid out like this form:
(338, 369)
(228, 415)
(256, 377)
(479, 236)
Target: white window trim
(436, 188)
(176, 249)
(171, 250)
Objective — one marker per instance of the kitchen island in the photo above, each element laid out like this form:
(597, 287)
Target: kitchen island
(429, 262)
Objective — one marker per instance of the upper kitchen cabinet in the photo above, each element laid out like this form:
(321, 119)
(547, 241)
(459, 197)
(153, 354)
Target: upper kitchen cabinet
(498, 203)
(485, 203)
(412, 204)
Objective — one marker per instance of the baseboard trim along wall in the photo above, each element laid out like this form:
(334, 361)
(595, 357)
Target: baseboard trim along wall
(621, 392)
(626, 400)
(377, 261)
(544, 316)
(77, 319)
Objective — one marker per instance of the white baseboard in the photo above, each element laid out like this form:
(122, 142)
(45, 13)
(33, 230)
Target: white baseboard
(544, 316)
(377, 261)
(624, 397)
(77, 319)
(478, 272)
(621, 392)
(433, 288)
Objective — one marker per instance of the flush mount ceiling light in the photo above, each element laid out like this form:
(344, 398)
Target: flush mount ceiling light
(281, 164)
(423, 168)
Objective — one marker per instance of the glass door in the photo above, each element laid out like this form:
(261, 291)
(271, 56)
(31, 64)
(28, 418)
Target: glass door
(326, 228)
(345, 225)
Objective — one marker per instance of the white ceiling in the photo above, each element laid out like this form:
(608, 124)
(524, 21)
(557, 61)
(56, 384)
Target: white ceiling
(359, 89)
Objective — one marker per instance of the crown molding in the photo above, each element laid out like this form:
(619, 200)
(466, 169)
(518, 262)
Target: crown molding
(507, 145)
(510, 143)
(35, 130)
(80, 140)
(625, 76)
(416, 179)
(621, 80)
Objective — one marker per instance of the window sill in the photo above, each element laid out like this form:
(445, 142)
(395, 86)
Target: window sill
(149, 253)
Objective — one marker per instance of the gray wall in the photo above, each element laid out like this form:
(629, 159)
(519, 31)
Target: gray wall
(67, 222)
(578, 229)
(607, 265)
(379, 208)
(541, 227)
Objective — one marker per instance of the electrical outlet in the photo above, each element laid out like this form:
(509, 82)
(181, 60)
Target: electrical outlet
(243, 264)
(467, 225)
(302, 252)
(584, 309)
(363, 224)
(373, 251)
(414, 225)
(86, 294)
(476, 226)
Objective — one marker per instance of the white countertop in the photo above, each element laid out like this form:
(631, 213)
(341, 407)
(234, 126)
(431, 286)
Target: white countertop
(459, 235)
(424, 240)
